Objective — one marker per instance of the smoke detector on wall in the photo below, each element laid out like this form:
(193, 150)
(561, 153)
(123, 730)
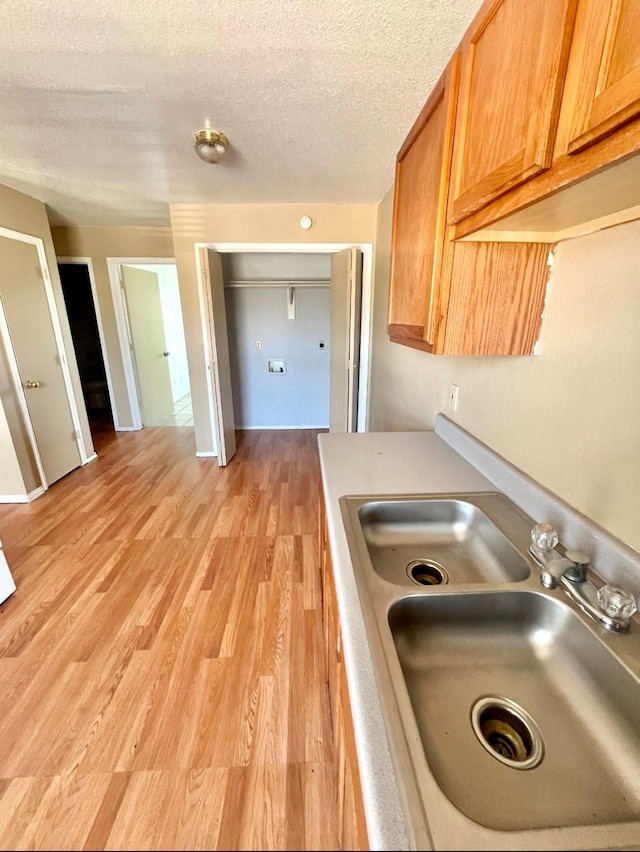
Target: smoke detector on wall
(211, 145)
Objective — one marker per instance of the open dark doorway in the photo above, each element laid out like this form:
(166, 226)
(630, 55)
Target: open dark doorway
(78, 298)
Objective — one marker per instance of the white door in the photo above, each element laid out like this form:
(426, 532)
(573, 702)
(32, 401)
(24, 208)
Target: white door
(346, 298)
(37, 356)
(141, 292)
(216, 321)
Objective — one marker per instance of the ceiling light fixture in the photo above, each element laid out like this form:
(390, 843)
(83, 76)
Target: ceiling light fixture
(211, 146)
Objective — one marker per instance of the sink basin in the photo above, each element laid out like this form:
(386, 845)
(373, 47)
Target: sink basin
(526, 718)
(432, 541)
(512, 718)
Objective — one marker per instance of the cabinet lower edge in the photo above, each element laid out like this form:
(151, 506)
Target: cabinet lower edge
(409, 335)
(597, 182)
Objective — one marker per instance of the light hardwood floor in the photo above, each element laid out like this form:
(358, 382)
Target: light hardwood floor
(161, 669)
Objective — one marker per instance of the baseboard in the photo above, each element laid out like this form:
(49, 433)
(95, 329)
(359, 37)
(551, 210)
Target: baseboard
(22, 498)
(270, 428)
(125, 428)
(207, 455)
(90, 458)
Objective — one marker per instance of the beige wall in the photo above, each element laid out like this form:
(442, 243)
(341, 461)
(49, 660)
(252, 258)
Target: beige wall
(568, 416)
(248, 223)
(99, 244)
(20, 212)
(12, 483)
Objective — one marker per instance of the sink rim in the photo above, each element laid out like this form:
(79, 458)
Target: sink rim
(430, 817)
(512, 525)
(569, 631)
(465, 533)
(430, 814)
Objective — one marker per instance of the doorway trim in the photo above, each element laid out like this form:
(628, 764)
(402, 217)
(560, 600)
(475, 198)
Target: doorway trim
(62, 354)
(122, 325)
(86, 261)
(294, 248)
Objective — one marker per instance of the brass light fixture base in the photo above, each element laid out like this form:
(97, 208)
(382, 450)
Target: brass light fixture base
(211, 145)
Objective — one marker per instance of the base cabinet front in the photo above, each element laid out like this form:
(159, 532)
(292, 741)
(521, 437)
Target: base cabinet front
(352, 828)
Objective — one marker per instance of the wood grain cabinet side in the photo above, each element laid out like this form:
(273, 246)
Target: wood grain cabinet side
(514, 61)
(496, 298)
(352, 828)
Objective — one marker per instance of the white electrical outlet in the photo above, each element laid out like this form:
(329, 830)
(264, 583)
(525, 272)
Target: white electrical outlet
(453, 396)
(258, 345)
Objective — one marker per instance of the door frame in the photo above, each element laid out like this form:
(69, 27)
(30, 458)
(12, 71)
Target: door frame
(366, 326)
(122, 326)
(86, 261)
(38, 242)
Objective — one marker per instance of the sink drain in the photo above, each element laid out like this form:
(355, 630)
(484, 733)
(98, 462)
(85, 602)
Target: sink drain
(507, 732)
(427, 573)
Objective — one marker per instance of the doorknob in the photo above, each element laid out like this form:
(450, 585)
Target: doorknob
(31, 384)
(166, 354)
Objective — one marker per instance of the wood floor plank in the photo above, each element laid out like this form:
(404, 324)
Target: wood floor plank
(161, 673)
(65, 813)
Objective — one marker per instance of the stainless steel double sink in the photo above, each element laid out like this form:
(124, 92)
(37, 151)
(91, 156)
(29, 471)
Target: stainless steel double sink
(513, 719)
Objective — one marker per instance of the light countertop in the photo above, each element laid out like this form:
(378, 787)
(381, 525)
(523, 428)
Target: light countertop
(379, 463)
(430, 462)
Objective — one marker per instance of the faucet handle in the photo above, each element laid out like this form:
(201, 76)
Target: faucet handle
(578, 571)
(616, 601)
(544, 537)
(581, 559)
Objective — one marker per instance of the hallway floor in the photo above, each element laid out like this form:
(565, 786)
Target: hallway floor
(182, 414)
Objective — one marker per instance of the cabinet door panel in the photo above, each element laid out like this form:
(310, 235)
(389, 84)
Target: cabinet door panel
(608, 82)
(333, 650)
(351, 815)
(420, 199)
(353, 821)
(514, 63)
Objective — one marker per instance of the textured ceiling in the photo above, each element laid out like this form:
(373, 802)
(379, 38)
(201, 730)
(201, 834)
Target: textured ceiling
(99, 101)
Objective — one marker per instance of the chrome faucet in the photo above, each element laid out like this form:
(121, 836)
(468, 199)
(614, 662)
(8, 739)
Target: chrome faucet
(610, 605)
(573, 565)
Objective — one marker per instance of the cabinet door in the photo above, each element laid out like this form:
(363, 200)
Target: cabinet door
(514, 61)
(419, 210)
(606, 49)
(332, 637)
(352, 817)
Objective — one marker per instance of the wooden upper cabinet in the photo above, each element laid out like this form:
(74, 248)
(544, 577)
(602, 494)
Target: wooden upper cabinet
(605, 83)
(419, 213)
(514, 61)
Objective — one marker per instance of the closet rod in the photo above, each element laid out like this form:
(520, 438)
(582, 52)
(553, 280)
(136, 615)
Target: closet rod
(256, 283)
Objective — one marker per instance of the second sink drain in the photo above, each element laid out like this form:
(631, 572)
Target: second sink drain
(427, 573)
(507, 732)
